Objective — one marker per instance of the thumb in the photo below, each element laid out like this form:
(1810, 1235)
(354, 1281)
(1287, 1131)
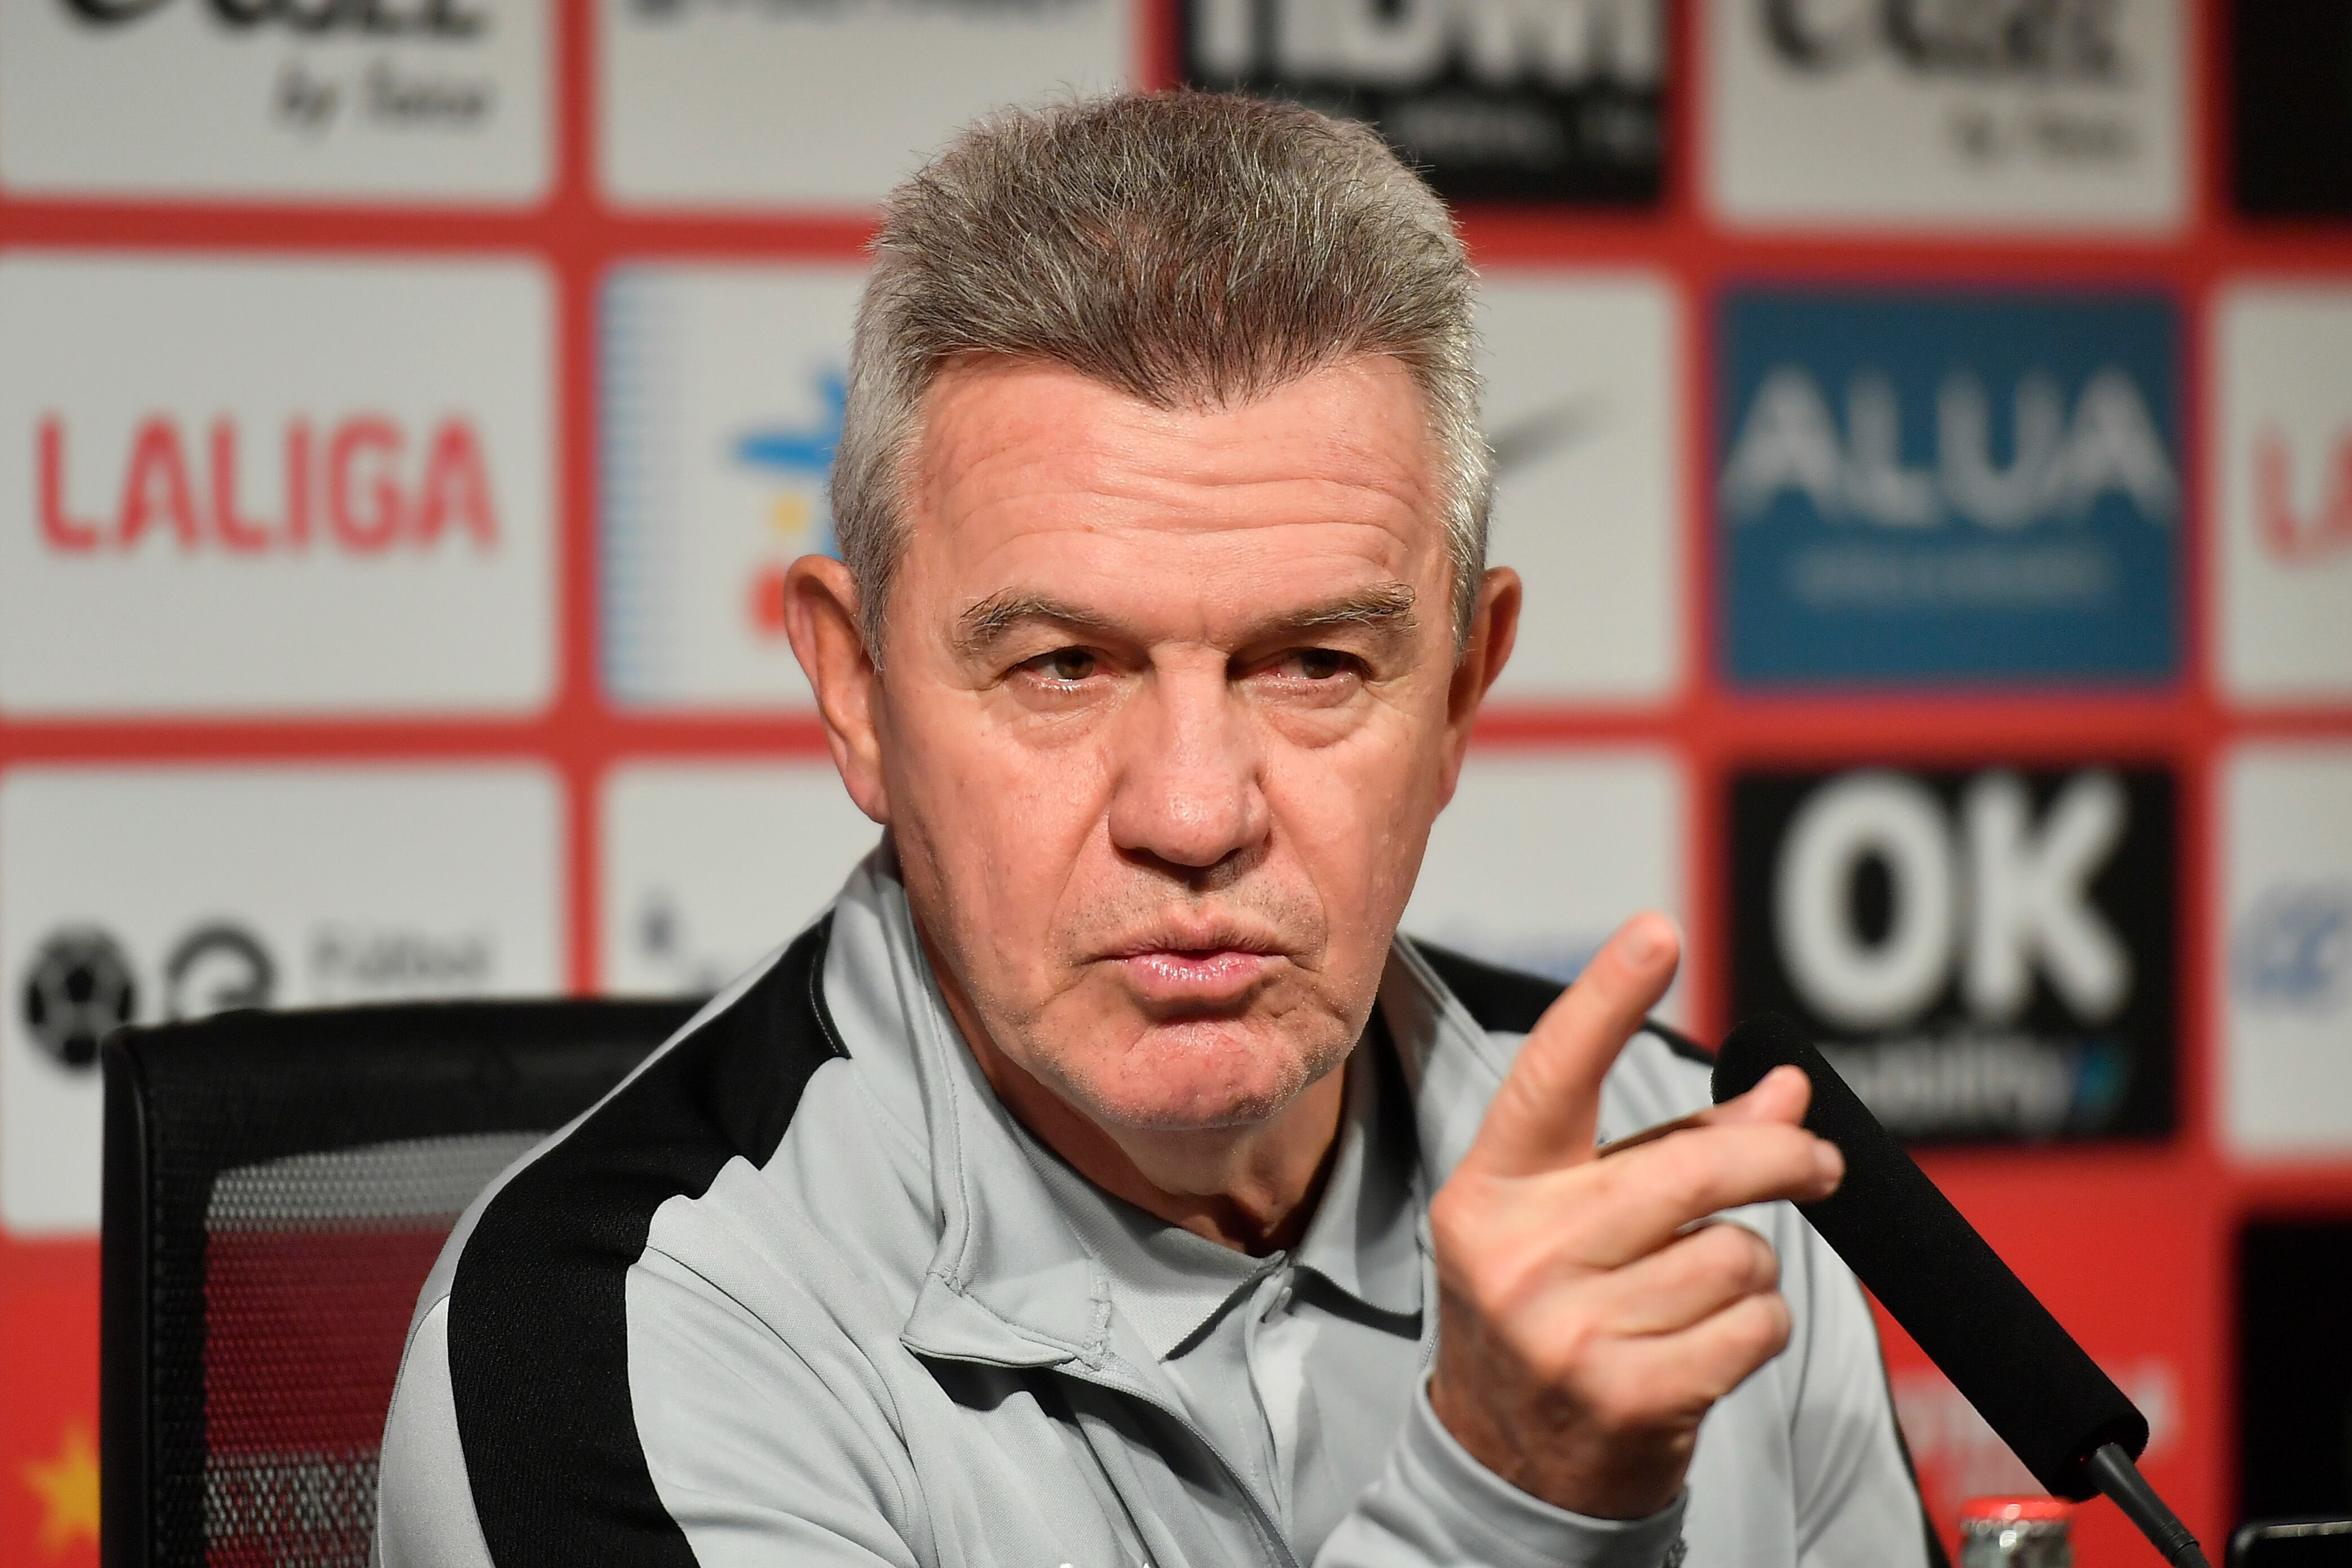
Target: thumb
(1544, 1115)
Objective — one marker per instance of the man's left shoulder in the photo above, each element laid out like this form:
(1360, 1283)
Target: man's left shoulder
(1663, 1073)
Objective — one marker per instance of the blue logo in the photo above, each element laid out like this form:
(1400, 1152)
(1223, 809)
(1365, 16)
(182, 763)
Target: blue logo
(1949, 490)
(799, 458)
(2292, 951)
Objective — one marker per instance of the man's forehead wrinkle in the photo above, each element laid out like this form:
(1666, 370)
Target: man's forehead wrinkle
(1092, 473)
(1047, 502)
(1022, 506)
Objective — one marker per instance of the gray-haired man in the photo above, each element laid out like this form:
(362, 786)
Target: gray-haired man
(1103, 1180)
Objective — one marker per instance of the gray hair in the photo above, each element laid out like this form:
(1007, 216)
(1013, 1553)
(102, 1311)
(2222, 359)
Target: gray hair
(1190, 249)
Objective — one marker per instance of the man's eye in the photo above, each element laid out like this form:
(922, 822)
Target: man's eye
(1318, 664)
(1065, 664)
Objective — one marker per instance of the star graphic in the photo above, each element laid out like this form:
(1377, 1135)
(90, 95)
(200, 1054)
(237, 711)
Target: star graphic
(68, 1487)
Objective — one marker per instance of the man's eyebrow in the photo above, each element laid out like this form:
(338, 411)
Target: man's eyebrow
(979, 628)
(1385, 608)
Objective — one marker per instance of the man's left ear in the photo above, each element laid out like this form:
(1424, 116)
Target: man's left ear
(1494, 628)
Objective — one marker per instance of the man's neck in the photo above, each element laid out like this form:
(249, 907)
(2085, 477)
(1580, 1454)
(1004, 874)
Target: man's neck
(1251, 1189)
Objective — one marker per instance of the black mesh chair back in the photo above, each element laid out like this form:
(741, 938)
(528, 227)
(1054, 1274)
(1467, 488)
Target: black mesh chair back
(276, 1187)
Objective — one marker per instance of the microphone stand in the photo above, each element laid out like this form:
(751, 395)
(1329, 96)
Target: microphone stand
(2113, 1472)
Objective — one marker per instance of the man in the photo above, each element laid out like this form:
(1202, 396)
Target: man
(1102, 1181)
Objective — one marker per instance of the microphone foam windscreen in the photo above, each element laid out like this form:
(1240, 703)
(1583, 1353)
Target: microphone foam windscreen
(1941, 1281)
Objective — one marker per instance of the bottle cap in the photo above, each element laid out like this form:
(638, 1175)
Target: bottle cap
(2017, 1509)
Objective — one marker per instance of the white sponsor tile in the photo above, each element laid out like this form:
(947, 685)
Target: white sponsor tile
(143, 893)
(1581, 375)
(265, 485)
(1862, 112)
(722, 393)
(2284, 565)
(2284, 950)
(1542, 856)
(709, 103)
(708, 865)
(445, 100)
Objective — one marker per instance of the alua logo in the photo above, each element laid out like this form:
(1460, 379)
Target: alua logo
(2042, 41)
(1561, 44)
(374, 18)
(2063, 458)
(1940, 486)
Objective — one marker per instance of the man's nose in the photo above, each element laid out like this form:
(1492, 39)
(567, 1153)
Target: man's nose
(1189, 792)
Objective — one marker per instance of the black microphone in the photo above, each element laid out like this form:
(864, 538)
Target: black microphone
(2048, 1400)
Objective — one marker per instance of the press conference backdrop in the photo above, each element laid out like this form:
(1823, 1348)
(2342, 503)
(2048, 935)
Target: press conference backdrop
(1925, 432)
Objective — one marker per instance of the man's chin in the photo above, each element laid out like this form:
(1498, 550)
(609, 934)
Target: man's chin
(1204, 1076)
(1199, 1114)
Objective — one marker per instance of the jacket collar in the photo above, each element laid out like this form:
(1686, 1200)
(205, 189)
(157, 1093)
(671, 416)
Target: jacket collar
(1171, 1285)
(1010, 1283)
(1450, 1065)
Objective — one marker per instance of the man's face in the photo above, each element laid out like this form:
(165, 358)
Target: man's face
(1169, 703)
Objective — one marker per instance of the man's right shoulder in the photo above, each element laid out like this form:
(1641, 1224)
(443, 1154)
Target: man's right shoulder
(517, 1377)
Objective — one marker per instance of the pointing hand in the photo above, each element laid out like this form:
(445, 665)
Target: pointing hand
(1587, 1318)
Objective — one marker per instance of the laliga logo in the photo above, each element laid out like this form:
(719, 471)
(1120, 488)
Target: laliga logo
(2061, 464)
(353, 485)
(2295, 539)
(1992, 898)
(2040, 40)
(1399, 43)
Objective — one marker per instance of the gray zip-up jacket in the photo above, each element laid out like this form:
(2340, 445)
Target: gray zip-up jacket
(781, 1300)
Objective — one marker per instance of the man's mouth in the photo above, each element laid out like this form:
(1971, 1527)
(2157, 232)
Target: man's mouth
(1220, 977)
(1209, 969)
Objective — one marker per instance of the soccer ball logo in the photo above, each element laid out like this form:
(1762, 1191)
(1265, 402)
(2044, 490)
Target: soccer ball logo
(80, 988)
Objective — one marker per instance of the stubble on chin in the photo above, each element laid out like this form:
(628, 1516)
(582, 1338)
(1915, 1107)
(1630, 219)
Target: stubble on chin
(1193, 1075)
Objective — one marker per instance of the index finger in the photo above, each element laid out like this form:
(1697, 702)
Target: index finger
(1544, 1115)
(1780, 1096)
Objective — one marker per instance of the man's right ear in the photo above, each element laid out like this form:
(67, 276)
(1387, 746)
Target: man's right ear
(821, 616)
